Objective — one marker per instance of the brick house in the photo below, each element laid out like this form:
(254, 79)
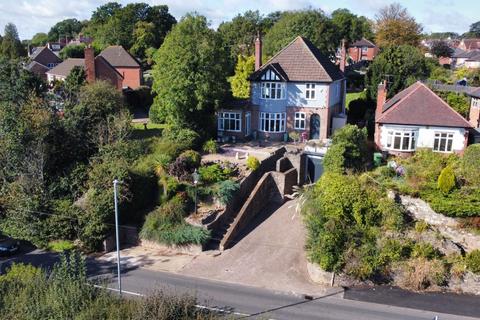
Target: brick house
(42, 59)
(362, 50)
(474, 116)
(298, 89)
(96, 68)
(125, 64)
(417, 118)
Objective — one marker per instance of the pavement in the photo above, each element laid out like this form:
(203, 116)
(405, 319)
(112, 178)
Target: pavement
(270, 254)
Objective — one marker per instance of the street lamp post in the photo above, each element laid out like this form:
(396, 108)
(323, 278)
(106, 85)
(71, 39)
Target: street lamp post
(119, 276)
(196, 179)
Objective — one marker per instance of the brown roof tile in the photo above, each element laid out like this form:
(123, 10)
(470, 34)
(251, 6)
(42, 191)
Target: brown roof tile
(117, 56)
(302, 61)
(363, 43)
(64, 68)
(418, 105)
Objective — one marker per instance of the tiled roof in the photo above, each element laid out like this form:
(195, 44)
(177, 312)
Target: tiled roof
(475, 93)
(363, 43)
(44, 56)
(64, 68)
(36, 67)
(301, 61)
(418, 105)
(117, 56)
(472, 44)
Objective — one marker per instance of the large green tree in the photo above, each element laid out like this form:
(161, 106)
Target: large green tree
(67, 28)
(400, 65)
(312, 24)
(189, 75)
(394, 26)
(239, 34)
(11, 47)
(39, 39)
(350, 26)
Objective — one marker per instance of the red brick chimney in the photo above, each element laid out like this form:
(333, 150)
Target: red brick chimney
(258, 52)
(474, 117)
(90, 64)
(381, 99)
(343, 55)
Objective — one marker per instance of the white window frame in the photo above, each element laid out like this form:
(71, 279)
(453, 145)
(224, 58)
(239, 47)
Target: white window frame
(475, 102)
(225, 119)
(272, 90)
(310, 91)
(403, 137)
(300, 121)
(364, 49)
(272, 122)
(448, 143)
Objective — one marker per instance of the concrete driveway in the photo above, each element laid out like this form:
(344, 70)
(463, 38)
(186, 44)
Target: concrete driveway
(269, 255)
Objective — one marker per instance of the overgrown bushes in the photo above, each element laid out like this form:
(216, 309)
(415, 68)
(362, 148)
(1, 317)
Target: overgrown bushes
(167, 225)
(253, 163)
(27, 292)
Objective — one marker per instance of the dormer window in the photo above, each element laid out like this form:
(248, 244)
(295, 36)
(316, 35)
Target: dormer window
(273, 90)
(310, 91)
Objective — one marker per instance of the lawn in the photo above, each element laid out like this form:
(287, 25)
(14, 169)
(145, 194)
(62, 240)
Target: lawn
(153, 130)
(353, 96)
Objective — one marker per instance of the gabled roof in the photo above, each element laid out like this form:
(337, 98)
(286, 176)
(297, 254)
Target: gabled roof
(363, 43)
(301, 61)
(117, 56)
(63, 69)
(45, 56)
(37, 68)
(418, 105)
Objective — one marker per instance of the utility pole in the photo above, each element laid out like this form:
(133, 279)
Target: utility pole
(119, 275)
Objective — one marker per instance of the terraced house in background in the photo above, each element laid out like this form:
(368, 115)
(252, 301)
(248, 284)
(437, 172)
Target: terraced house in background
(298, 89)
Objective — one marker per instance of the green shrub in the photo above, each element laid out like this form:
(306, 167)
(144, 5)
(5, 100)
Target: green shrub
(253, 163)
(334, 160)
(473, 261)
(421, 226)
(294, 135)
(393, 250)
(185, 138)
(210, 146)
(421, 273)
(212, 173)
(459, 203)
(352, 146)
(192, 157)
(226, 191)
(470, 163)
(425, 250)
(446, 180)
(60, 245)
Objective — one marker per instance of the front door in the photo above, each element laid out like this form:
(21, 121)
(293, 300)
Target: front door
(314, 126)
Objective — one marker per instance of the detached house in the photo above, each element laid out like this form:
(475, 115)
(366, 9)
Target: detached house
(298, 89)
(362, 50)
(114, 64)
(42, 60)
(417, 118)
(474, 116)
(96, 68)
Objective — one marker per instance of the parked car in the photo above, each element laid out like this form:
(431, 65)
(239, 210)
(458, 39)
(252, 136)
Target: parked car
(8, 246)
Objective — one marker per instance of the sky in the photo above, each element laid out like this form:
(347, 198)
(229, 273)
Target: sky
(32, 16)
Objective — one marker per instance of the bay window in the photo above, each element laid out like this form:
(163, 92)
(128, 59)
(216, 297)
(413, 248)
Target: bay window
(229, 121)
(273, 90)
(300, 120)
(443, 142)
(401, 140)
(272, 122)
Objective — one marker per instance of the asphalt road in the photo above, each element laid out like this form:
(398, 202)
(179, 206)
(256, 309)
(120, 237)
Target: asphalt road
(241, 301)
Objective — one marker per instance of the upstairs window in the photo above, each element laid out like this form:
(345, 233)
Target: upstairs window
(269, 75)
(300, 120)
(364, 49)
(401, 140)
(443, 142)
(310, 91)
(273, 90)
